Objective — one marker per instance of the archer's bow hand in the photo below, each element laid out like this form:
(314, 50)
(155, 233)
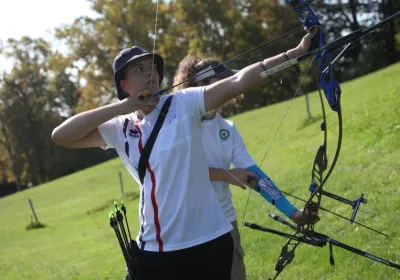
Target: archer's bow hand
(306, 42)
(301, 217)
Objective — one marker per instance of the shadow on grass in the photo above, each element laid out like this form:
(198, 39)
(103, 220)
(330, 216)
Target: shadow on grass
(310, 121)
(110, 203)
(35, 225)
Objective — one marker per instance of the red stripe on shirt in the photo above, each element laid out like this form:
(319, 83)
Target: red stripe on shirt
(153, 194)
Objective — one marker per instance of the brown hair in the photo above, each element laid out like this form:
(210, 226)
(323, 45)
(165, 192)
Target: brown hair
(188, 68)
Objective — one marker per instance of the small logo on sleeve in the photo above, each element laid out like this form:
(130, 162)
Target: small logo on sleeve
(171, 115)
(134, 133)
(224, 134)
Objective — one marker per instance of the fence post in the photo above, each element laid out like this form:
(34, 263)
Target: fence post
(33, 210)
(121, 184)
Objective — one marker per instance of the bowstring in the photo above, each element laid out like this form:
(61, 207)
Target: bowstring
(154, 45)
(153, 54)
(274, 137)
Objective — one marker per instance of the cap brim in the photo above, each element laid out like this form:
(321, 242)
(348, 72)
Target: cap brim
(158, 61)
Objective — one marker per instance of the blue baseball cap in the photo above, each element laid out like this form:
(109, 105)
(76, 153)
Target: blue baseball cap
(128, 55)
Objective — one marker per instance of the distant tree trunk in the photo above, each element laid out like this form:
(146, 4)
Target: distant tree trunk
(12, 165)
(353, 8)
(387, 9)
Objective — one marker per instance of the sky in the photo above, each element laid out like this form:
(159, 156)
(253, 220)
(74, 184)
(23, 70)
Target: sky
(36, 18)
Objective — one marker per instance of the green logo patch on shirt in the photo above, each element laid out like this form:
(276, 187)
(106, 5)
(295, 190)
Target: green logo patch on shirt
(224, 134)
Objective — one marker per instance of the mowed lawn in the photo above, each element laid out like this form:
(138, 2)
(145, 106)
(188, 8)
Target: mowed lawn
(78, 242)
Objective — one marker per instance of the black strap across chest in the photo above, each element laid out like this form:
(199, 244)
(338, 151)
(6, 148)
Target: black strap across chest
(145, 154)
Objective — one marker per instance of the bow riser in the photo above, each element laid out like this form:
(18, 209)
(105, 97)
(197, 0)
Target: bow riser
(328, 83)
(310, 20)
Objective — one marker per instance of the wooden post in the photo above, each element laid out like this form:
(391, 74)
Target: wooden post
(33, 211)
(121, 184)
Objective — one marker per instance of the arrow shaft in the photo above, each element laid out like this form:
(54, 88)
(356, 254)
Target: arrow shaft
(363, 253)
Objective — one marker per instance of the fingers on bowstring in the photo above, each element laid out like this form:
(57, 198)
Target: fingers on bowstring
(251, 177)
(147, 100)
(147, 94)
(143, 95)
(147, 104)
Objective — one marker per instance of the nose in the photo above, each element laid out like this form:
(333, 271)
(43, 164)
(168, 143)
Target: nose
(153, 71)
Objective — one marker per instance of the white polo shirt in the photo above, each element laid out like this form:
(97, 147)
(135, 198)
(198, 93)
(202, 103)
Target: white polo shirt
(178, 207)
(224, 146)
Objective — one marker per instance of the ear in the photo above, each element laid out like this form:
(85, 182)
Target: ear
(124, 85)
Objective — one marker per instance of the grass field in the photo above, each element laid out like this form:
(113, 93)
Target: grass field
(78, 242)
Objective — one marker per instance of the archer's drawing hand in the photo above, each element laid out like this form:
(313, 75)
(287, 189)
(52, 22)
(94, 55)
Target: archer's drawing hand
(242, 178)
(140, 101)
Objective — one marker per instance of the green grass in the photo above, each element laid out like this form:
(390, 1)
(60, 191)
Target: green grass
(78, 243)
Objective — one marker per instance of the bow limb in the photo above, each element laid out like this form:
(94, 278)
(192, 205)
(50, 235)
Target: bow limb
(320, 165)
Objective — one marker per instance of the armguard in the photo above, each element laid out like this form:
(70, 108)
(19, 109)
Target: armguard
(270, 192)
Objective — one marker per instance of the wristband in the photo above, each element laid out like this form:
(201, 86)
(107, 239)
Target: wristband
(298, 70)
